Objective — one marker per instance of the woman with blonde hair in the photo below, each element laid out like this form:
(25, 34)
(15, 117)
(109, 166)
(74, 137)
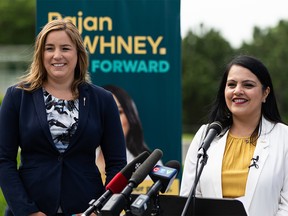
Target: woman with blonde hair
(57, 118)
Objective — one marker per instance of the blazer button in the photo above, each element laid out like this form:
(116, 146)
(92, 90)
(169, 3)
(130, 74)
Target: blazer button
(60, 158)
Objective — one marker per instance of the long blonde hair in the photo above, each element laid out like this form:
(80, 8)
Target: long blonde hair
(37, 73)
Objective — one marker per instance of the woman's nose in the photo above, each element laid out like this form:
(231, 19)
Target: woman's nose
(57, 54)
(238, 90)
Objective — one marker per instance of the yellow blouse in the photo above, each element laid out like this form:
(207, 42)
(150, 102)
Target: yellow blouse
(235, 166)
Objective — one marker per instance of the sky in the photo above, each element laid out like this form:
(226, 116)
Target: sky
(234, 19)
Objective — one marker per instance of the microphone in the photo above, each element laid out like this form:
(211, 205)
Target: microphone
(117, 184)
(162, 176)
(214, 129)
(254, 162)
(117, 202)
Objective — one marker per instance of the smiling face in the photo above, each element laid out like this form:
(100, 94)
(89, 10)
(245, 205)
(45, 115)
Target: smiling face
(60, 57)
(244, 94)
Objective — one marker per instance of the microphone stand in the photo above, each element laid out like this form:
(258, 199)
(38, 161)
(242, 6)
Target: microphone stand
(156, 206)
(127, 208)
(191, 197)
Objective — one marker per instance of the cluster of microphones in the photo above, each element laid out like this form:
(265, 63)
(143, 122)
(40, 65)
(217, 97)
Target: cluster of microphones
(118, 194)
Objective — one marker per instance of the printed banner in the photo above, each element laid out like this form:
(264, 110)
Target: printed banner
(134, 44)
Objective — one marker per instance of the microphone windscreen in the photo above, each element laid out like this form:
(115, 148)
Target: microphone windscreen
(173, 164)
(117, 184)
(130, 168)
(140, 174)
(120, 180)
(216, 126)
(165, 175)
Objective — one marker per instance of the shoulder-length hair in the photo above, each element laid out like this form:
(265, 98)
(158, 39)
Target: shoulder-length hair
(37, 73)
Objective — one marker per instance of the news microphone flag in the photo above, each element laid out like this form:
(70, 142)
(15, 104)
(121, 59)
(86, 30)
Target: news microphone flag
(117, 184)
(163, 176)
(118, 202)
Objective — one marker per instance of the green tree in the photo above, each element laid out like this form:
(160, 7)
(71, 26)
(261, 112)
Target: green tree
(270, 45)
(203, 58)
(17, 21)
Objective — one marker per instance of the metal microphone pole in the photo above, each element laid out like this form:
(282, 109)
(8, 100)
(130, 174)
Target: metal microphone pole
(191, 197)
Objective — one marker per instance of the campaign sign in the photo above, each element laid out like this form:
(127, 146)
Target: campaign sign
(134, 44)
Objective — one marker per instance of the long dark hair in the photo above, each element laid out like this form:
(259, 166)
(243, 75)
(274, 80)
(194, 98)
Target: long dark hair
(135, 138)
(220, 111)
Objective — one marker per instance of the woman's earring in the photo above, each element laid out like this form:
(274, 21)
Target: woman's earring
(228, 114)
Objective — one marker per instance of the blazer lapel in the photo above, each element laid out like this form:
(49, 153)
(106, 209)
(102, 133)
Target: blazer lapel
(214, 164)
(40, 108)
(262, 152)
(84, 104)
(219, 153)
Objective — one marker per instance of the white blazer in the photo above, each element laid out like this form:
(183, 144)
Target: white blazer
(266, 191)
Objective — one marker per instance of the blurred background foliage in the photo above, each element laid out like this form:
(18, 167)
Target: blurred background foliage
(17, 21)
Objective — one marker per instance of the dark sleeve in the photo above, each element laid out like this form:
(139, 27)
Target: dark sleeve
(10, 182)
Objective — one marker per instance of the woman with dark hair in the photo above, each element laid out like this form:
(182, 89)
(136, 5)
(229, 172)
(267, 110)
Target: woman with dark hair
(248, 160)
(131, 124)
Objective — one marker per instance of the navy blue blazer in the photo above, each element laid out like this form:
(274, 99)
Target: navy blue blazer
(46, 178)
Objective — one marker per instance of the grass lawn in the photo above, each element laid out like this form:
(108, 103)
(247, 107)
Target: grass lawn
(187, 137)
(2, 204)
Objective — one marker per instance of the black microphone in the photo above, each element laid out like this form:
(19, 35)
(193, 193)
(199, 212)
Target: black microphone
(117, 202)
(162, 176)
(214, 129)
(254, 162)
(117, 184)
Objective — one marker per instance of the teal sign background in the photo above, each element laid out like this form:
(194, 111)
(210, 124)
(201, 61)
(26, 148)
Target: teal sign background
(134, 44)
